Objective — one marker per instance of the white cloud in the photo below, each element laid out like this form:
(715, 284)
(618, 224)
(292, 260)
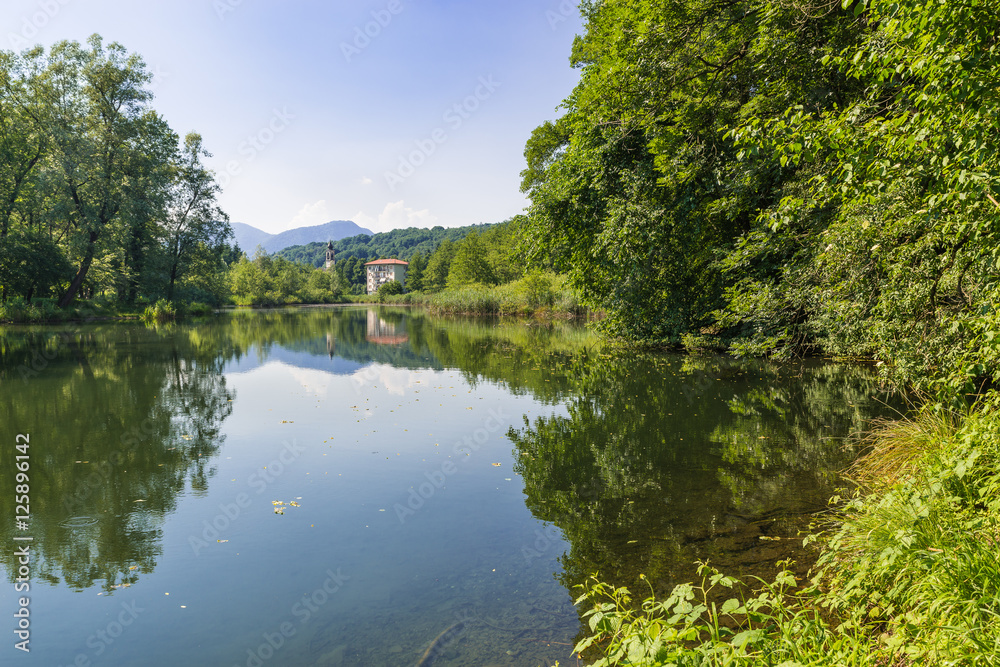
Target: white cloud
(311, 215)
(366, 181)
(395, 380)
(395, 216)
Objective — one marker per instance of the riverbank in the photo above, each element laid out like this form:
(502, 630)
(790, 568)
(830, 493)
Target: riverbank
(45, 311)
(539, 295)
(909, 571)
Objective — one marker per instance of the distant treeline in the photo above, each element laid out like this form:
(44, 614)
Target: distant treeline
(398, 243)
(486, 254)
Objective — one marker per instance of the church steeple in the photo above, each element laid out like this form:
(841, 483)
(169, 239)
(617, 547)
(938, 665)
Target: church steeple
(331, 256)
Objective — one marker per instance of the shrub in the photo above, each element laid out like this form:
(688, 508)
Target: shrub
(161, 311)
(391, 288)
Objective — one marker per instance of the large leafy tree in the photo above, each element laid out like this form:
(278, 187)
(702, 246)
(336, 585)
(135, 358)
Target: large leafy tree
(194, 221)
(900, 207)
(415, 272)
(638, 189)
(30, 263)
(107, 142)
(470, 264)
(23, 144)
(438, 265)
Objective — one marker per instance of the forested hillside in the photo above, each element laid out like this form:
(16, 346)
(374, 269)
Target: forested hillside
(774, 176)
(398, 243)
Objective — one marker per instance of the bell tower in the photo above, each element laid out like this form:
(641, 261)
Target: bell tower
(331, 256)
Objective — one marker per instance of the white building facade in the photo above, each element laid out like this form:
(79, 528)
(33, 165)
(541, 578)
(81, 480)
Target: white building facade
(382, 271)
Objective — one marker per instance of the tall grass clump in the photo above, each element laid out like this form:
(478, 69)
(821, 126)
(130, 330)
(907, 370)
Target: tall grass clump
(161, 311)
(536, 294)
(920, 549)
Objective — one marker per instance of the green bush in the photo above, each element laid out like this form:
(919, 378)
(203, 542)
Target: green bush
(391, 288)
(14, 310)
(161, 311)
(198, 309)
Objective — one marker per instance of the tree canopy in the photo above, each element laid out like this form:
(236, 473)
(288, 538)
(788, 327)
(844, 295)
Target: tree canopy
(780, 176)
(97, 194)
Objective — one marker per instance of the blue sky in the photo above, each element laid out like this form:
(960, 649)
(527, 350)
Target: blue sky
(390, 113)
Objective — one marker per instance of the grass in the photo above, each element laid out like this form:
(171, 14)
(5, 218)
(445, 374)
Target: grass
(18, 311)
(909, 573)
(535, 295)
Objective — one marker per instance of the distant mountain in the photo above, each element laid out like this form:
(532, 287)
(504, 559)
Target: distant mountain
(249, 237)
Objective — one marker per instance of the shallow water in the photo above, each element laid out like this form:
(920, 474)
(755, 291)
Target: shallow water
(342, 486)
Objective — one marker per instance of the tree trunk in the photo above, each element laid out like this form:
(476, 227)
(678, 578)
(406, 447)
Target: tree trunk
(173, 279)
(81, 275)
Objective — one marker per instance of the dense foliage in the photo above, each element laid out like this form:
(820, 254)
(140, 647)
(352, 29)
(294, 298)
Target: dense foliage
(98, 196)
(782, 176)
(272, 281)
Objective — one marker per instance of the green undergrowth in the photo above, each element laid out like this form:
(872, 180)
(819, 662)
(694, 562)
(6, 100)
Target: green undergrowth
(909, 572)
(39, 311)
(537, 294)
(19, 311)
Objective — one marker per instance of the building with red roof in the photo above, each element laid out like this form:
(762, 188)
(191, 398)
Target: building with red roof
(382, 271)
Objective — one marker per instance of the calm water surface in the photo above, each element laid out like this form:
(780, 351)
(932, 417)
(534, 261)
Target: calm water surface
(343, 486)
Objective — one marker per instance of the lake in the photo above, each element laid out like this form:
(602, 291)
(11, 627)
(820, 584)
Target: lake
(357, 485)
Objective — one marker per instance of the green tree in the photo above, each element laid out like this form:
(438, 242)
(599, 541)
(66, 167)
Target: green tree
(502, 250)
(108, 142)
(30, 263)
(389, 288)
(248, 282)
(889, 247)
(638, 189)
(438, 266)
(23, 143)
(193, 217)
(415, 273)
(470, 264)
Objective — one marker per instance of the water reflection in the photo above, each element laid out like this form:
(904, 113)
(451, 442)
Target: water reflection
(383, 332)
(662, 460)
(125, 418)
(629, 463)
(121, 421)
